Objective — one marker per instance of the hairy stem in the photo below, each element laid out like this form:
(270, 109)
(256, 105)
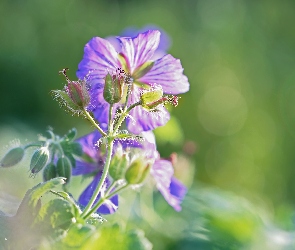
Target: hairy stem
(124, 115)
(102, 179)
(103, 199)
(89, 118)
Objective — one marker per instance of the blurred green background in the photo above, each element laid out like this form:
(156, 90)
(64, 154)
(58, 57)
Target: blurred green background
(236, 125)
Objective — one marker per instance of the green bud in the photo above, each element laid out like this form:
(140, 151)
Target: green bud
(64, 168)
(49, 172)
(78, 93)
(113, 87)
(137, 171)
(118, 166)
(39, 160)
(151, 98)
(13, 157)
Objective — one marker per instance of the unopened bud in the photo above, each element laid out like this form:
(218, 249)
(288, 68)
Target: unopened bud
(39, 160)
(78, 93)
(137, 171)
(64, 168)
(113, 87)
(13, 157)
(49, 172)
(118, 166)
(152, 98)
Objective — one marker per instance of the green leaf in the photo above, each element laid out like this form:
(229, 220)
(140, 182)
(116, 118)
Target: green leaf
(34, 194)
(56, 214)
(19, 231)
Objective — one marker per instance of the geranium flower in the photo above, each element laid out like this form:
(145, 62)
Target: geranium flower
(136, 58)
(161, 170)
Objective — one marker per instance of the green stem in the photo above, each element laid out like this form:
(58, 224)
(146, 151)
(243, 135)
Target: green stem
(102, 200)
(102, 179)
(110, 119)
(110, 188)
(89, 118)
(123, 116)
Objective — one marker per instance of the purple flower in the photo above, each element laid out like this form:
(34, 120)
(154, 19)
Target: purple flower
(134, 55)
(162, 171)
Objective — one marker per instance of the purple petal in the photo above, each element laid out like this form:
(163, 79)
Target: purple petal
(99, 56)
(84, 168)
(167, 72)
(139, 49)
(107, 207)
(88, 143)
(143, 120)
(177, 189)
(162, 171)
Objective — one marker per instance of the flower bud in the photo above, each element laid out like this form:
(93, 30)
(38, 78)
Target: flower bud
(64, 168)
(49, 172)
(13, 157)
(151, 98)
(137, 171)
(78, 93)
(39, 160)
(113, 87)
(118, 165)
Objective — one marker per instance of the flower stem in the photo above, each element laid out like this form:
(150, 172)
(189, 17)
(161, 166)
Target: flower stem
(102, 179)
(110, 119)
(124, 115)
(102, 200)
(89, 118)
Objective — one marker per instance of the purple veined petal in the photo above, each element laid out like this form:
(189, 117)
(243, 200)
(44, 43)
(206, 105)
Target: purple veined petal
(140, 49)
(88, 143)
(99, 56)
(165, 41)
(143, 120)
(162, 171)
(107, 208)
(82, 168)
(167, 72)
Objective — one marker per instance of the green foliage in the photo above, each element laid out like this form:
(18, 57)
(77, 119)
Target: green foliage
(20, 230)
(88, 237)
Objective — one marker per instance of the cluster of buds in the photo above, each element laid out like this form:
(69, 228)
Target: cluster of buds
(132, 171)
(54, 155)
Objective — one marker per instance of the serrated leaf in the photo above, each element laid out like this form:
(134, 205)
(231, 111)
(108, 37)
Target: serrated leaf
(34, 194)
(56, 214)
